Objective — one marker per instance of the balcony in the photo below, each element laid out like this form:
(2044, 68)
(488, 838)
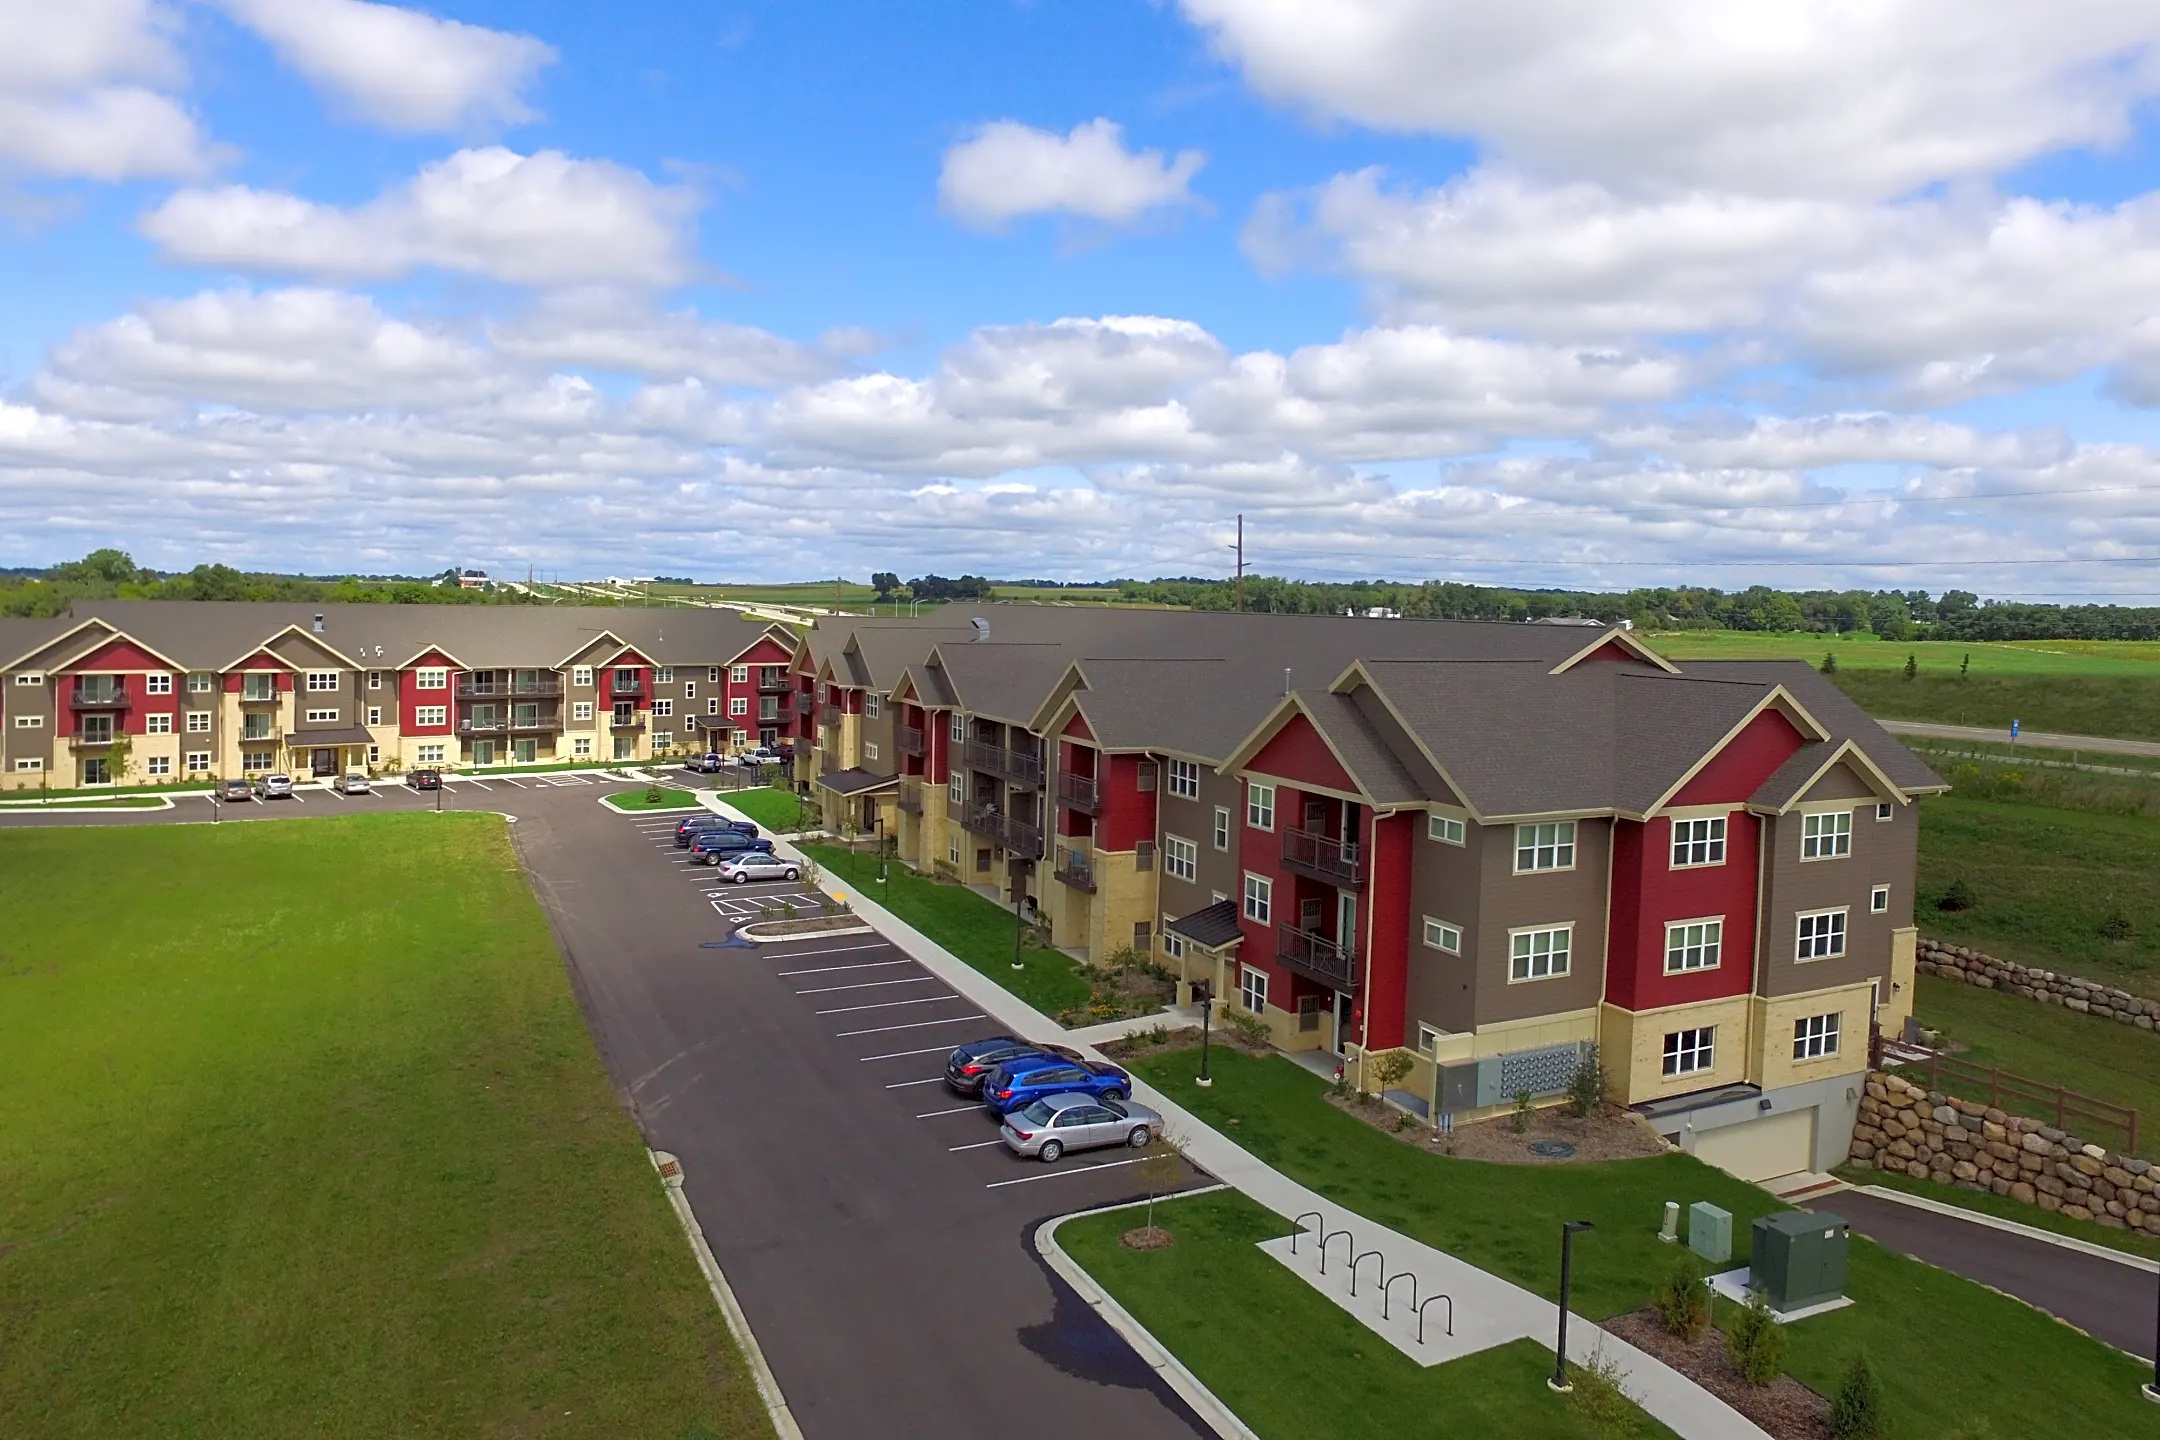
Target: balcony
(257, 695)
(1017, 836)
(910, 797)
(1323, 858)
(625, 724)
(909, 738)
(473, 688)
(494, 726)
(768, 713)
(805, 702)
(1077, 869)
(91, 739)
(1021, 766)
(620, 686)
(1317, 956)
(1078, 792)
(775, 682)
(98, 697)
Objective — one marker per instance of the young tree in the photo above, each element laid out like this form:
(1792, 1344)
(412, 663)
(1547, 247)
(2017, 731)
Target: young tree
(1829, 663)
(1857, 1411)
(1161, 1167)
(119, 757)
(1912, 666)
(1587, 1090)
(1682, 1301)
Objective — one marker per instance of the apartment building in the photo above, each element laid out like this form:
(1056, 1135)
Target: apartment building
(1488, 846)
(204, 690)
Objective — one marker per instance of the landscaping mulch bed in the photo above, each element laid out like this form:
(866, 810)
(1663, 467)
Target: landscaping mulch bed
(813, 925)
(1553, 1137)
(1147, 1237)
(1786, 1408)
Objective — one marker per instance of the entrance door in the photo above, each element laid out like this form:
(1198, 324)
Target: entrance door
(1343, 1034)
(1346, 919)
(323, 761)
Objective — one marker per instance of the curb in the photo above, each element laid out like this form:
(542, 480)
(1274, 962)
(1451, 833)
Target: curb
(776, 1406)
(742, 932)
(2030, 1232)
(1218, 1416)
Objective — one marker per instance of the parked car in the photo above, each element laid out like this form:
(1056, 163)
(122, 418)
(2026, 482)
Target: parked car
(711, 847)
(966, 1067)
(354, 784)
(1022, 1081)
(758, 865)
(690, 825)
(710, 763)
(1049, 1127)
(273, 787)
(424, 779)
(235, 790)
(763, 755)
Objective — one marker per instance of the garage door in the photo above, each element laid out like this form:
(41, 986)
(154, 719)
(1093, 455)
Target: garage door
(1760, 1149)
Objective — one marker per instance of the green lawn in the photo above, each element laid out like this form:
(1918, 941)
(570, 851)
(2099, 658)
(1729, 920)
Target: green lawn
(303, 1134)
(965, 923)
(1289, 1362)
(2102, 1058)
(2004, 1208)
(670, 799)
(1920, 1324)
(2131, 658)
(2124, 706)
(91, 801)
(773, 807)
(2045, 880)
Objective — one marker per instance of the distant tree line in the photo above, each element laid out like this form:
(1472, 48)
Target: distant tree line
(114, 575)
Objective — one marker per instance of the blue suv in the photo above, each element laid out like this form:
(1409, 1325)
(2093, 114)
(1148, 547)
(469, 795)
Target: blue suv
(710, 847)
(686, 829)
(1025, 1079)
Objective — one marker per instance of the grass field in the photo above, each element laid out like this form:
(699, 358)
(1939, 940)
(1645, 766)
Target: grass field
(1289, 1362)
(303, 1134)
(2135, 659)
(670, 799)
(965, 923)
(91, 801)
(2046, 881)
(1922, 1325)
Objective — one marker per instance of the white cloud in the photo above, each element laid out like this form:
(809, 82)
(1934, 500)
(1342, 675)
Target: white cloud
(541, 219)
(1007, 169)
(1813, 97)
(605, 331)
(85, 90)
(401, 69)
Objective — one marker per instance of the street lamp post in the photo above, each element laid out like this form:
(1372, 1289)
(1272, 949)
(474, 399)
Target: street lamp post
(1019, 920)
(1559, 1381)
(877, 826)
(1204, 991)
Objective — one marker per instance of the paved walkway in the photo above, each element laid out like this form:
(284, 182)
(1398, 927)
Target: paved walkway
(2045, 740)
(1488, 1310)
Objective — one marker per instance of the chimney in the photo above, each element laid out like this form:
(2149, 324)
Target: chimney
(318, 624)
(982, 629)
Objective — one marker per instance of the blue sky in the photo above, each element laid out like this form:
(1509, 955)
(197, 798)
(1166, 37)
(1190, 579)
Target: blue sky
(765, 291)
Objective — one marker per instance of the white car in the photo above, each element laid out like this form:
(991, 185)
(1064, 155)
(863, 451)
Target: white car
(753, 759)
(758, 865)
(354, 784)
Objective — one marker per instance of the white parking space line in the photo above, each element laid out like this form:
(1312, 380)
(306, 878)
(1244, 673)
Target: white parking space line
(302, 799)
(904, 1084)
(889, 1005)
(905, 1054)
(339, 793)
(835, 950)
(519, 783)
(977, 1145)
(481, 783)
(956, 1110)
(1052, 1174)
(829, 969)
(871, 985)
(917, 1025)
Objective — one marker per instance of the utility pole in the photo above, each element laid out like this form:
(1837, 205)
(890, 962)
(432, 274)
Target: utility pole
(1241, 564)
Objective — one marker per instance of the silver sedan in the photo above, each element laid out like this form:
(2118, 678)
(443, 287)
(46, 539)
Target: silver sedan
(750, 865)
(1058, 1123)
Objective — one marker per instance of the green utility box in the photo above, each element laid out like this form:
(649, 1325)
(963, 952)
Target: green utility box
(1709, 1232)
(1797, 1258)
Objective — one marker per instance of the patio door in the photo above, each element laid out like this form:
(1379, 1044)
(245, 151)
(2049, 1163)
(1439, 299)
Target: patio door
(1343, 1033)
(526, 751)
(483, 752)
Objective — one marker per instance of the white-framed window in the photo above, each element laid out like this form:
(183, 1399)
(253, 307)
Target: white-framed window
(158, 765)
(740, 674)
(29, 722)
(1441, 935)
(374, 715)
(1822, 935)
(958, 731)
(1878, 900)
(738, 705)
(322, 717)
(30, 677)
(257, 759)
(157, 684)
(322, 679)
(581, 710)
(1694, 945)
(32, 763)
(712, 704)
(1252, 989)
(582, 746)
(1259, 898)
(1539, 954)
(1260, 805)
(712, 674)
(1445, 828)
(1222, 827)
(1428, 1039)
(1180, 858)
(431, 714)
(1826, 835)
(374, 679)
(1698, 842)
(430, 754)
(956, 788)
(870, 750)
(1815, 1036)
(1173, 944)
(873, 705)
(201, 682)
(663, 709)
(661, 739)
(581, 675)
(198, 722)
(665, 675)
(1547, 846)
(1884, 810)
(952, 851)
(198, 762)
(1184, 779)
(1690, 1051)
(689, 689)
(157, 724)
(374, 754)
(435, 678)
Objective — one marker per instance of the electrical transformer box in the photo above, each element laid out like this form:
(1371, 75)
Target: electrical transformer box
(1797, 1258)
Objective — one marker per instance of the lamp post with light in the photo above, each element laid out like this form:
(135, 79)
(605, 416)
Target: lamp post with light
(1559, 1380)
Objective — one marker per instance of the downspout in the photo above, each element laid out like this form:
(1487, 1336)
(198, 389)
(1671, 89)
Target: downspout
(1762, 947)
(1372, 910)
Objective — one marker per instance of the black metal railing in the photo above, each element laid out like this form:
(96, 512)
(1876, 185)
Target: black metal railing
(1024, 766)
(1336, 861)
(473, 687)
(805, 702)
(1077, 869)
(911, 797)
(621, 686)
(775, 684)
(1317, 956)
(625, 722)
(249, 695)
(1078, 792)
(88, 696)
(1017, 836)
(909, 738)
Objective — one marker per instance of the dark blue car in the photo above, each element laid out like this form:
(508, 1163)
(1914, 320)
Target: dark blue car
(688, 827)
(710, 847)
(1028, 1078)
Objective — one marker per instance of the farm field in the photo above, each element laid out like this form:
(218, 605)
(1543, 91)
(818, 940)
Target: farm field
(2127, 658)
(303, 1134)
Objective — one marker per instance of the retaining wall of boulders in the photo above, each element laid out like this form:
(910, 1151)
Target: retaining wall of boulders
(1906, 1128)
(1957, 962)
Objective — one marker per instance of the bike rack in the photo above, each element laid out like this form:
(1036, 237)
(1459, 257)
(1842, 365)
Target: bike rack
(1361, 1259)
(1389, 1285)
(1299, 1233)
(1421, 1316)
(1324, 1244)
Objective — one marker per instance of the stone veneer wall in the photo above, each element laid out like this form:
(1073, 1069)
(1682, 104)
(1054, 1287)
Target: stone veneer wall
(1956, 962)
(1906, 1128)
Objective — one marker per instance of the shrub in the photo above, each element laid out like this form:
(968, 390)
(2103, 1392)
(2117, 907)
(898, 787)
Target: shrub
(1912, 667)
(1587, 1090)
(1960, 896)
(1524, 1111)
(1390, 1068)
(1682, 1302)
(2117, 926)
(1756, 1342)
(1829, 663)
(1857, 1411)
(1251, 1027)
(1601, 1399)
(654, 794)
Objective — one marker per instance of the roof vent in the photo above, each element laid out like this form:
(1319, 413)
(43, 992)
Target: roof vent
(981, 627)
(1286, 679)
(318, 624)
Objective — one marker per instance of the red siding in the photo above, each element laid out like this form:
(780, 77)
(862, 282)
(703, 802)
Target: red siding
(1297, 754)
(937, 740)
(1128, 812)
(1384, 1001)
(116, 656)
(1260, 852)
(1648, 893)
(1077, 727)
(411, 696)
(1739, 769)
(1074, 760)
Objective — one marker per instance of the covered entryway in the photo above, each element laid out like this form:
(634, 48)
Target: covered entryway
(1779, 1144)
(323, 761)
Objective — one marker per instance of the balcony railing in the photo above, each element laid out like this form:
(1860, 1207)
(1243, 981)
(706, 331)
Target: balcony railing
(621, 686)
(805, 702)
(625, 722)
(775, 683)
(909, 738)
(496, 726)
(1335, 861)
(84, 740)
(99, 697)
(1317, 956)
(768, 713)
(1077, 792)
(1077, 869)
(260, 737)
(911, 797)
(471, 687)
(251, 695)
(1017, 836)
(1024, 766)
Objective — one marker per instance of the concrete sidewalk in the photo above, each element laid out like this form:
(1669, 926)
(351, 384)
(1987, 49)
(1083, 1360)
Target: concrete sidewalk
(1488, 1310)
